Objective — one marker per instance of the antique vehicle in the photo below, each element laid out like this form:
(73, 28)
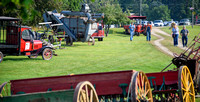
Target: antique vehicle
(20, 40)
(181, 83)
(99, 34)
(78, 26)
(115, 86)
(140, 29)
(83, 92)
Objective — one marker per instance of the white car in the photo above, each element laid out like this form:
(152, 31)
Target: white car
(151, 22)
(184, 22)
(144, 22)
(158, 23)
(165, 23)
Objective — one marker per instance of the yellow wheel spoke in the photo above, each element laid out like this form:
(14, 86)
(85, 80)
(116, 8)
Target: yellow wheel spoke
(191, 93)
(184, 95)
(184, 89)
(183, 82)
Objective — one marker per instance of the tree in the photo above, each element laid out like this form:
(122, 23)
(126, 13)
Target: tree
(161, 12)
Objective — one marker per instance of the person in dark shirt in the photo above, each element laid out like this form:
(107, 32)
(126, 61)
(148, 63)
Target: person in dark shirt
(148, 31)
(184, 34)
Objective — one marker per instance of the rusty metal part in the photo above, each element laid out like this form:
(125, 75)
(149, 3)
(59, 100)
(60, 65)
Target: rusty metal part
(85, 92)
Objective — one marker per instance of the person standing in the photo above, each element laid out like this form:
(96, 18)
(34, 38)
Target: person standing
(148, 31)
(184, 34)
(132, 30)
(175, 34)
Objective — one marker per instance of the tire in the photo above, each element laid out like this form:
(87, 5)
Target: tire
(69, 41)
(47, 54)
(1, 56)
(99, 39)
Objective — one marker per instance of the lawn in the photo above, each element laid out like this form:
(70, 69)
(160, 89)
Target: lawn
(115, 53)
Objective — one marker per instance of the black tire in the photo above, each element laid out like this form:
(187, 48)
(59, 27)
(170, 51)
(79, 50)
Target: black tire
(1, 56)
(69, 41)
(51, 39)
(99, 39)
(47, 54)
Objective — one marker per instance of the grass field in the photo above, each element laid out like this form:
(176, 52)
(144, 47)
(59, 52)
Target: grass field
(115, 53)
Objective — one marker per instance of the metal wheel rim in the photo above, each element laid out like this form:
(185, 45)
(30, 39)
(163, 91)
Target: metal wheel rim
(2, 90)
(85, 92)
(47, 54)
(185, 85)
(141, 90)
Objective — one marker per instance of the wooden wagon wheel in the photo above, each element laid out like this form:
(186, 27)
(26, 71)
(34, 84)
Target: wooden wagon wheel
(185, 85)
(85, 92)
(140, 88)
(2, 90)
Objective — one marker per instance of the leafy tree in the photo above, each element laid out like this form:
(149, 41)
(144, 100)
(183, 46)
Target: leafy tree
(161, 12)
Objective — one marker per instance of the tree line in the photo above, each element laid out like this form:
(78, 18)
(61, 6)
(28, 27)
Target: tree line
(115, 11)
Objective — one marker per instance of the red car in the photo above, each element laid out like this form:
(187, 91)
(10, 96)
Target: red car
(20, 40)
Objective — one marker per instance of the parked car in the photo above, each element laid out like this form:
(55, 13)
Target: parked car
(144, 22)
(158, 23)
(151, 22)
(184, 22)
(198, 21)
(176, 22)
(165, 23)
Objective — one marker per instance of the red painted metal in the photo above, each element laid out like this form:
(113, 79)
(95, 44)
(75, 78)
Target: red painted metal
(171, 77)
(99, 33)
(106, 83)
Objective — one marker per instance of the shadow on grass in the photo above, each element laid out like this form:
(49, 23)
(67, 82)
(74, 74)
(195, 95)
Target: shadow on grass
(22, 59)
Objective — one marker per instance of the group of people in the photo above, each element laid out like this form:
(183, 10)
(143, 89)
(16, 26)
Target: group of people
(175, 33)
(148, 31)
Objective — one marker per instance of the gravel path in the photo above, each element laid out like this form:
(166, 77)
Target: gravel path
(156, 32)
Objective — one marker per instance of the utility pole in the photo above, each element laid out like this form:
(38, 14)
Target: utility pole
(192, 13)
(140, 9)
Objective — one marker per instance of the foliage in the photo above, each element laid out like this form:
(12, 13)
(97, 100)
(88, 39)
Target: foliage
(15, 8)
(160, 12)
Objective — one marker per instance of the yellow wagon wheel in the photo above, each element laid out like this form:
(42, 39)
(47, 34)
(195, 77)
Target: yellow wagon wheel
(185, 85)
(2, 90)
(85, 92)
(141, 90)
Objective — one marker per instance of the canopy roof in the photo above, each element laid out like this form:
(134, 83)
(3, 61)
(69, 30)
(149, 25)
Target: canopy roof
(137, 17)
(3, 18)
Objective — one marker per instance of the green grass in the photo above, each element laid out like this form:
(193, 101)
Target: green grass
(115, 53)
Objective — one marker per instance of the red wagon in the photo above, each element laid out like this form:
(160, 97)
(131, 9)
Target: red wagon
(109, 85)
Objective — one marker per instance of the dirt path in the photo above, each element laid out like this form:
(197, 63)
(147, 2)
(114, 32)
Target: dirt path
(157, 42)
(156, 31)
